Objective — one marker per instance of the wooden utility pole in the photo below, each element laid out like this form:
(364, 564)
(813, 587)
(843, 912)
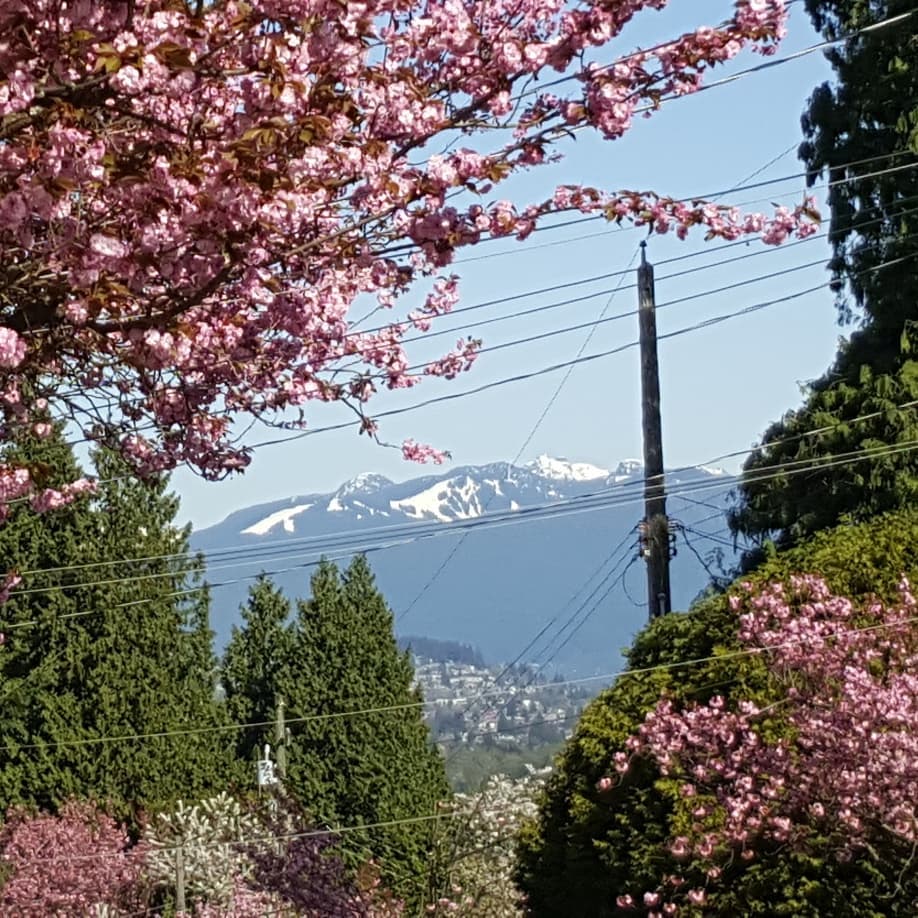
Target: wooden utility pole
(280, 739)
(180, 880)
(655, 531)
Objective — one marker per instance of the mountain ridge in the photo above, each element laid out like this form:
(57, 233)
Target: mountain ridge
(487, 586)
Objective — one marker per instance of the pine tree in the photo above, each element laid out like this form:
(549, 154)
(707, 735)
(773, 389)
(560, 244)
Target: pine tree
(344, 768)
(104, 650)
(254, 663)
(868, 116)
(365, 768)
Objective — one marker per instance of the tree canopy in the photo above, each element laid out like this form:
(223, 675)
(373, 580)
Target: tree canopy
(194, 195)
(617, 819)
(359, 752)
(862, 135)
(97, 657)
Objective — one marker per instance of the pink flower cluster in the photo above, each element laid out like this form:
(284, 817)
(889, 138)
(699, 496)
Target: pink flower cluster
(94, 863)
(54, 499)
(418, 452)
(192, 204)
(846, 766)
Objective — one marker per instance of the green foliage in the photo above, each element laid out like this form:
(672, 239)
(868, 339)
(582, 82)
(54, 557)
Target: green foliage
(258, 655)
(588, 846)
(374, 767)
(104, 649)
(469, 767)
(870, 111)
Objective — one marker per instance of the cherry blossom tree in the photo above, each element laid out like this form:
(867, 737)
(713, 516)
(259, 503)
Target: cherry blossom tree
(194, 196)
(238, 863)
(835, 758)
(79, 862)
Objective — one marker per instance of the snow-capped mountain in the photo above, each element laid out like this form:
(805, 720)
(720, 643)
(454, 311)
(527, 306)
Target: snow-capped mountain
(500, 584)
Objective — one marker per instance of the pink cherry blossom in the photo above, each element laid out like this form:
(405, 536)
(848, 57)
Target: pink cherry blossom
(195, 207)
(844, 765)
(417, 452)
(12, 349)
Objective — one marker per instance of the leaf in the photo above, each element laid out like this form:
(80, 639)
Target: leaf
(107, 59)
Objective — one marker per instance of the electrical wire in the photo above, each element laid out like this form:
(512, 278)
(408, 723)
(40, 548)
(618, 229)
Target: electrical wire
(624, 673)
(120, 404)
(530, 436)
(521, 514)
(603, 498)
(606, 276)
(557, 367)
(563, 224)
(716, 580)
(508, 668)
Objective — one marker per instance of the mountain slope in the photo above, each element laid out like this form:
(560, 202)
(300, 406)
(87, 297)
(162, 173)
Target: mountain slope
(494, 587)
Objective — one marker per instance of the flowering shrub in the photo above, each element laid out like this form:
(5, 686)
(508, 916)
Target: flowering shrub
(209, 834)
(478, 847)
(758, 760)
(79, 862)
(237, 864)
(835, 757)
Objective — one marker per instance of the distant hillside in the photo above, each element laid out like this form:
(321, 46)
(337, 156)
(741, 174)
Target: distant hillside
(493, 587)
(441, 651)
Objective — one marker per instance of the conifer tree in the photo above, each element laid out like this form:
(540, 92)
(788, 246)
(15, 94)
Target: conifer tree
(364, 768)
(868, 117)
(254, 663)
(98, 650)
(345, 768)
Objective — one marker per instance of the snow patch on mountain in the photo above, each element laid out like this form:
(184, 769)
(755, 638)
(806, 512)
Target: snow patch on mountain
(563, 470)
(424, 505)
(280, 518)
(453, 499)
(364, 483)
(464, 493)
(626, 468)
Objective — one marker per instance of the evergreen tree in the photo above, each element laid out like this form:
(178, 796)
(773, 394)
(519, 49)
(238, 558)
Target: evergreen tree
(596, 839)
(366, 768)
(345, 769)
(102, 650)
(254, 663)
(869, 116)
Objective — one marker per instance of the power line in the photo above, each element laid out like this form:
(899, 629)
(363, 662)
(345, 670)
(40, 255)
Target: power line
(684, 299)
(110, 404)
(703, 503)
(535, 428)
(740, 74)
(858, 456)
(606, 276)
(710, 536)
(634, 602)
(557, 367)
(522, 653)
(563, 224)
(519, 514)
(602, 498)
(753, 651)
(716, 580)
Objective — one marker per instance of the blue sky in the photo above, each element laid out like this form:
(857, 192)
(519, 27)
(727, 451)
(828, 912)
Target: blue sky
(720, 386)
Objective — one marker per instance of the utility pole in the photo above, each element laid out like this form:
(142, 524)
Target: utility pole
(180, 880)
(655, 527)
(280, 738)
